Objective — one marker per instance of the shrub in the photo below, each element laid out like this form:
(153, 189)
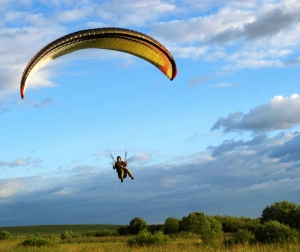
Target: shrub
(208, 227)
(124, 230)
(36, 241)
(275, 232)
(4, 235)
(155, 227)
(283, 212)
(136, 225)
(67, 235)
(146, 238)
(105, 232)
(171, 225)
(232, 224)
(185, 234)
(242, 236)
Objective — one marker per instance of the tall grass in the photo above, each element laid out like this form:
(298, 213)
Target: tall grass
(106, 244)
(57, 229)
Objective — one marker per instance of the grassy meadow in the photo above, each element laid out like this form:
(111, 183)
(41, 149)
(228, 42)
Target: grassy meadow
(119, 243)
(108, 245)
(56, 229)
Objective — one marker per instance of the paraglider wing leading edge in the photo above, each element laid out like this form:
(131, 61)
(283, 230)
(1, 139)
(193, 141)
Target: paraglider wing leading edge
(117, 39)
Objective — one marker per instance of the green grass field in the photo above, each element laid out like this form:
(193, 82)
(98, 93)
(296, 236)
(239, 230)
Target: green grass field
(56, 229)
(118, 243)
(104, 244)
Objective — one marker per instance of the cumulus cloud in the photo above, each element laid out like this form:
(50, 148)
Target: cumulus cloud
(134, 13)
(264, 25)
(249, 176)
(245, 173)
(82, 168)
(280, 113)
(256, 35)
(229, 145)
(263, 34)
(20, 162)
(289, 151)
(9, 187)
(17, 50)
(140, 157)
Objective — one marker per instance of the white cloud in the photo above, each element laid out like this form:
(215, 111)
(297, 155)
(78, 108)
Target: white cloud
(126, 13)
(73, 15)
(279, 113)
(198, 80)
(16, 51)
(236, 178)
(191, 52)
(259, 35)
(288, 151)
(10, 187)
(245, 173)
(140, 157)
(20, 162)
(221, 85)
(243, 35)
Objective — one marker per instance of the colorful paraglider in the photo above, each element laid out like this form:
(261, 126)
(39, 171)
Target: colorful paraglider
(118, 39)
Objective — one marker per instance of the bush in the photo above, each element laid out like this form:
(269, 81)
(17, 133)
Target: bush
(67, 235)
(105, 232)
(155, 227)
(283, 212)
(36, 241)
(124, 230)
(208, 227)
(4, 235)
(136, 225)
(233, 224)
(185, 234)
(146, 238)
(242, 236)
(275, 232)
(171, 225)
(230, 223)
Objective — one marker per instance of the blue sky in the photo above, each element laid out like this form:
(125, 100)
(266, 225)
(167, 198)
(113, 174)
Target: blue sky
(222, 137)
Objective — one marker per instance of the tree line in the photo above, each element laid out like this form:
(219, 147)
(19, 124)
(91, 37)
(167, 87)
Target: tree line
(279, 222)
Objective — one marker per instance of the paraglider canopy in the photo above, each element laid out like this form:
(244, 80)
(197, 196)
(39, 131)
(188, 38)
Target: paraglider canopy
(118, 39)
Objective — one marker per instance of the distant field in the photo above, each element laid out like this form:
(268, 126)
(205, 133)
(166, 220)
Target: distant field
(104, 244)
(57, 229)
(118, 243)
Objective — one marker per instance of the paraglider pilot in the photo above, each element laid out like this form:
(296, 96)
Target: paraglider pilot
(121, 169)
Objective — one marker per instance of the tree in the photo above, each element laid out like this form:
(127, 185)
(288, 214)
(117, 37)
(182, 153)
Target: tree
(192, 223)
(124, 230)
(230, 223)
(242, 236)
(171, 225)
(198, 223)
(136, 225)
(275, 232)
(283, 212)
(4, 235)
(295, 218)
(155, 228)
